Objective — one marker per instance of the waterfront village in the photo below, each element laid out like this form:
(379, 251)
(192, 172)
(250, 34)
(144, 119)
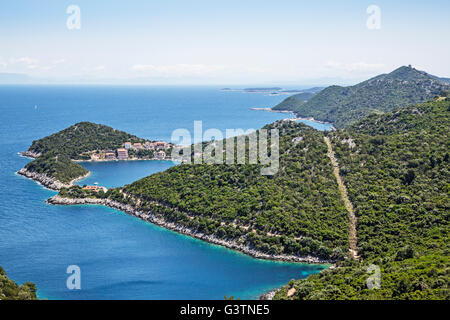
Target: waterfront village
(157, 150)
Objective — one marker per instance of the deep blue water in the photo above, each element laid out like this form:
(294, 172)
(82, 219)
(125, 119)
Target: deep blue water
(121, 257)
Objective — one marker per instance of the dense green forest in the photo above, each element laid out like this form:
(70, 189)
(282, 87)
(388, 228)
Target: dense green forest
(300, 204)
(9, 290)
(291, 102)
(346, 105)
(396, 168)
(82, 137)
(58, 166)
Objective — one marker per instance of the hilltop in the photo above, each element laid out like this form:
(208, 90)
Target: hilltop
(80, 138)
(346, 105)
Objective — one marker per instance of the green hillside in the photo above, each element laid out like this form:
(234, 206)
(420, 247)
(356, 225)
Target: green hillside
(82, 137)
(58, 166)
(346, 105)
(9, 290)
(396, 168)
(298, 211)
(294, 101)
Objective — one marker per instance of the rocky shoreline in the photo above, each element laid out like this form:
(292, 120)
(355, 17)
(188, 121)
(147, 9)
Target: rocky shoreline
(269, 295)
(148, 216)
(47, 181)
(29, 154)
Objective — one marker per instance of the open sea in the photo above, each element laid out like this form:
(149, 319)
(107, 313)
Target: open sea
(121, 257)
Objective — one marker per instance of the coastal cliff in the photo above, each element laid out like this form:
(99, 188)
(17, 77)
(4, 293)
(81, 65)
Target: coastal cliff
(150, 217)
(30, 154)
(47, 181)
(269, 295)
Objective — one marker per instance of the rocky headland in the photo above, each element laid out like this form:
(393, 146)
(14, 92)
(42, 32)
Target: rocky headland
(47, 181)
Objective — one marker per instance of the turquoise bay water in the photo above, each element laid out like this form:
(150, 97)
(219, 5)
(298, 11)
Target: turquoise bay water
(121, 257)
(113, 174)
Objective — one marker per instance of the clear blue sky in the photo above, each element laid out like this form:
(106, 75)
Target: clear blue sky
(222, 42)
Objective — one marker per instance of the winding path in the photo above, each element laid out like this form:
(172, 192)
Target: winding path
(352, 236)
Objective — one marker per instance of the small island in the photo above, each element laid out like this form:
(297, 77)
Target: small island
(275, 91)
(55, 157)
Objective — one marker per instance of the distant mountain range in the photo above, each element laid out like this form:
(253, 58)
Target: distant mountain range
(277, 90)
(345, 105)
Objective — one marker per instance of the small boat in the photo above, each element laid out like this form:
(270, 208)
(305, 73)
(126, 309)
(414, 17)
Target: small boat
(96, 183)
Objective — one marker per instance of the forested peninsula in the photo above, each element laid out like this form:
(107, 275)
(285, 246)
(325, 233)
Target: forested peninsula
(273, 217)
